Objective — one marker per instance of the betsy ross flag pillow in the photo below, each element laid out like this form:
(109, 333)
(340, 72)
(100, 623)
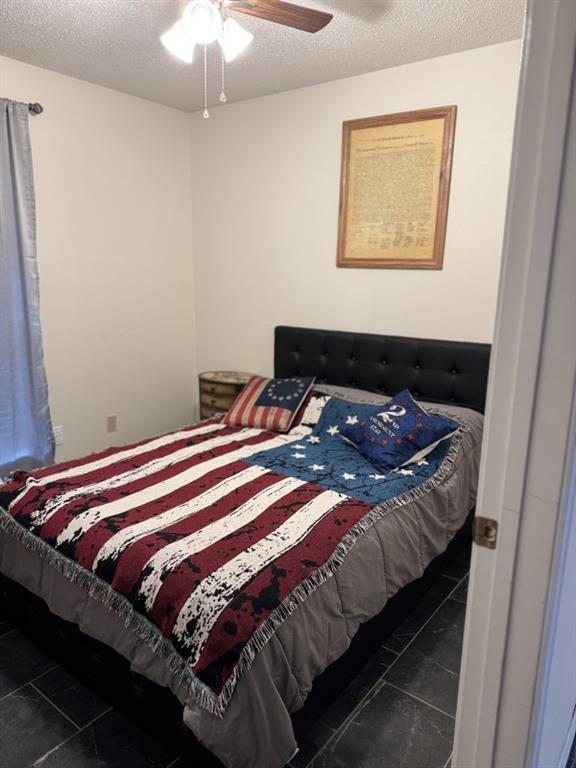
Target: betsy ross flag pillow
(268, 403)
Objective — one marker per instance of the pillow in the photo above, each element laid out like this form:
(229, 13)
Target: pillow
(320, 394)
(308, 415)
(352, 393)
(268, 403)
(390, 435)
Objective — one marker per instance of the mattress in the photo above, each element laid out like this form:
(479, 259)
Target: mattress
(255, 729)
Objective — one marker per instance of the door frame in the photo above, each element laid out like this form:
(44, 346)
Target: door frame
(526, 440)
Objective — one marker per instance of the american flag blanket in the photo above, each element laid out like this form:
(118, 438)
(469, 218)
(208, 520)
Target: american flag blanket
(201, 539)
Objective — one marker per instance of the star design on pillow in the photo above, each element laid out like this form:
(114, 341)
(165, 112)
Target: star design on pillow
(333, 430)
(377, 477)
(352, 419)
(313, 439)
(316, 467)
(283, 385)
(300, 447)
(348, 476)
(422, 463)
(298, 455)
(404, 471)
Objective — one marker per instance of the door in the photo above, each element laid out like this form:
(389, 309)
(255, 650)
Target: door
(506, 674)
(554, 726)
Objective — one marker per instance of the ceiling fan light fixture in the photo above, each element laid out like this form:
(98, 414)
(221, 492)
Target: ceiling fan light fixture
(202, 21)
(234, 39)
(178, 43)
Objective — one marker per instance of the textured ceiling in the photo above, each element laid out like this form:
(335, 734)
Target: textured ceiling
(115, 43)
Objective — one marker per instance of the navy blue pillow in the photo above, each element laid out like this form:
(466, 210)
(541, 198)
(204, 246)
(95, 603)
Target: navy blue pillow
(390, 435)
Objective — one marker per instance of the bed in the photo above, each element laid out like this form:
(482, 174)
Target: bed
(312, 625)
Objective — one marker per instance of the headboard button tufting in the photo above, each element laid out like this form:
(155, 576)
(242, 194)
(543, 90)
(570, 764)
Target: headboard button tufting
(449, 371)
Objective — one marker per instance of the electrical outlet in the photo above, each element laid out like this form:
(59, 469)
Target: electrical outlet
(112, 423)
(59, 435)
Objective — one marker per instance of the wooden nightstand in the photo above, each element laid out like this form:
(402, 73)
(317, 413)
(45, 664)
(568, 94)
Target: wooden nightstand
(219, 389)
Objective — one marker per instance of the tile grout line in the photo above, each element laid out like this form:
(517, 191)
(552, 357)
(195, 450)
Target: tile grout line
(90, 722)
(336, 735)
(339, 732)
(29, 682)
(448, 597)
(56, 707)
(428, 620)
(422, 701)
(381, 682)
(39, 760)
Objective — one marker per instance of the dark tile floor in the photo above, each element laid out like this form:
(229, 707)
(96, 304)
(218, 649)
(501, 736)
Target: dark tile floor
(397, 711)
(50, 719)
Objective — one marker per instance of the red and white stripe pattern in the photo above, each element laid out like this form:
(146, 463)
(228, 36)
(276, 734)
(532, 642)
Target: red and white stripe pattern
(204, 545)
(245, 411)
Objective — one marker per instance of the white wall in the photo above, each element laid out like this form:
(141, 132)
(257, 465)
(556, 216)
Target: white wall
(265, 189)
(114, 247)
(121, 189)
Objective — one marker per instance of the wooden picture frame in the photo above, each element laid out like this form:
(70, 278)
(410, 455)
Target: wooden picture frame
(394, 188)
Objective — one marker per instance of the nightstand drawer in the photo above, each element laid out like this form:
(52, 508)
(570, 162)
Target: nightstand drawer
(217, 402)
(211, 388)
(218, 390)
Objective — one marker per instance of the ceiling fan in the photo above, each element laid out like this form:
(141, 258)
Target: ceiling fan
(280, 12)
(204, 21)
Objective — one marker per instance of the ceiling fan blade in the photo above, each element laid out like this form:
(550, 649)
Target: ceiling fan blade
(280, 12)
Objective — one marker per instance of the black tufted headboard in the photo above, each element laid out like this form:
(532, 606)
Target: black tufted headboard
(453, 372)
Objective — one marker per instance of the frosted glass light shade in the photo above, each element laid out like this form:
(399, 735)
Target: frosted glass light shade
(234, 39)
(202, 21)
(178, 43)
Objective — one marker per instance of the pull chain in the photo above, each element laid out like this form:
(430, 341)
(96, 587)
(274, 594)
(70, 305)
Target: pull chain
(223, 97)
(206, 114)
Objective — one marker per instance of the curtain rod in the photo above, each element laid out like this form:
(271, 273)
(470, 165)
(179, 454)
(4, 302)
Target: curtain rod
(35, 109)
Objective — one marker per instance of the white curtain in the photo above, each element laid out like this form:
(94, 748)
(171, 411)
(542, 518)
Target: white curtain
(26, 437)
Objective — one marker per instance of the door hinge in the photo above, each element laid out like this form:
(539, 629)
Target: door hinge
(485, 532)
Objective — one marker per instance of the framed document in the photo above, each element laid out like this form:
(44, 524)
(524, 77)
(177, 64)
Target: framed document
(394, 187)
